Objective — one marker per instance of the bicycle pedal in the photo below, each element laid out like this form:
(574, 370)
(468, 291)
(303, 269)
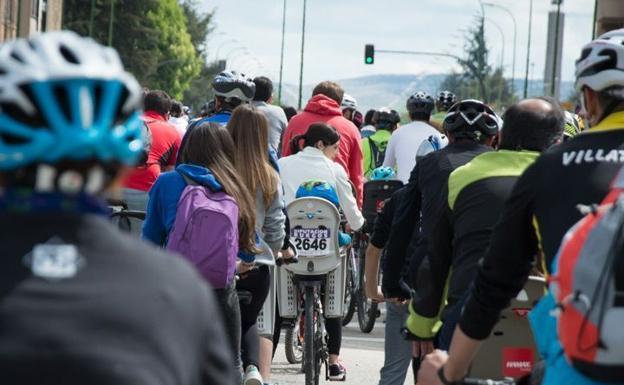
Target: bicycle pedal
(378, 313)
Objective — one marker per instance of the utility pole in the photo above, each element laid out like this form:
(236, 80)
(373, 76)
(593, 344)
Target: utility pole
(110, 23)
(528, 55)
(554, 82)
(302, 51)
(281, 70)
(91, 18)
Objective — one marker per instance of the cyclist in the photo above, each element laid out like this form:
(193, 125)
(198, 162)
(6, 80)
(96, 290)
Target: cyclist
(321, 143)
(178, 118)
(397, 350)
(403, 146)
(73, 306)
(474, 197)
(375, 146)
(250, 131)
(572, 127)
(444, 101)
(324, 107)
(348, 106)
(275, 115)
(579, 170)
(471, 128)
(207, 161)
(369, 124)
(162, 154)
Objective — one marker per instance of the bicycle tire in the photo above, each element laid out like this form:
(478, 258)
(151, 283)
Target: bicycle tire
(292, 346)
(367, 311)
(309, 350)
(350, 295)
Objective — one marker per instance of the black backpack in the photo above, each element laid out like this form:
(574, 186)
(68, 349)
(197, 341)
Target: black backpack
(147, 145)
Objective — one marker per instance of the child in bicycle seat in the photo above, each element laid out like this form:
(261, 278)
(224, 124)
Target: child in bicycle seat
(321, 189)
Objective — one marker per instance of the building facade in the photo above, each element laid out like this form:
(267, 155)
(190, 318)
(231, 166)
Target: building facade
(609, 15)
(22, 18)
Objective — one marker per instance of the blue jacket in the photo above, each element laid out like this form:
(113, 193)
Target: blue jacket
(164, 196)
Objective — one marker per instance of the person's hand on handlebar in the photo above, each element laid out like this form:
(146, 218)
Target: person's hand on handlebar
(430, 366)
(286, 253)
(244, 267)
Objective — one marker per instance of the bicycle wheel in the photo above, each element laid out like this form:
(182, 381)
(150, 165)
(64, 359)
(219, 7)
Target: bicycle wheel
(293, 345)
(366, 310)
(350, 293)
(309, 350)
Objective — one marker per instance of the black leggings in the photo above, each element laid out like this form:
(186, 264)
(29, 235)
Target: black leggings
(333, 326)
(257, 281)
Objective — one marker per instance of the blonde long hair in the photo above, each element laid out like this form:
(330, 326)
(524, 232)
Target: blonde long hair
(249, 129)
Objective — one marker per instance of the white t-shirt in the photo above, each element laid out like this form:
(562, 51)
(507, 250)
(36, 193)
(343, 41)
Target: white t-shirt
(403, 147)
(310, 163)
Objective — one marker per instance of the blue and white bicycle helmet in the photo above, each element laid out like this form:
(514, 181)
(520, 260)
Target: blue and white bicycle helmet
(319, 189)
(64, 97)
(383, 173)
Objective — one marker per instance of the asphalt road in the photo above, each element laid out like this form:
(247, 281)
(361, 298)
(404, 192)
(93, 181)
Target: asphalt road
(362, 354)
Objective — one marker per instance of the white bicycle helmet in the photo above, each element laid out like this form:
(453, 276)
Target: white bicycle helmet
(64, 97)
(233, 84)
(601, 65)
(348, 103)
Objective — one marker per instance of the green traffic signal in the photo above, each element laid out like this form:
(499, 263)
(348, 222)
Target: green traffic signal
(369, 54)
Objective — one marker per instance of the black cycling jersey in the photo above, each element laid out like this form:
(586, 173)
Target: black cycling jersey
(475, 196)
(81, 303)
(383, 222)
(423, 194)
(578, 171)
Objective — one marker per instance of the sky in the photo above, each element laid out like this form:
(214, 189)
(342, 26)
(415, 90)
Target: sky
(249, 34)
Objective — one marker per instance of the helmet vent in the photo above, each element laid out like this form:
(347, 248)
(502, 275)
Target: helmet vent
(68, 55)
(10, 139)
(62, 100)
(17, 57)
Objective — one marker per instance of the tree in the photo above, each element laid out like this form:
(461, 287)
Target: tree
(199, 26)
(150, 36)
(478, 79)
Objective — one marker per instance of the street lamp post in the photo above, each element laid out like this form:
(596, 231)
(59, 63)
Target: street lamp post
(528, 55)
(502, 82)
(302, 51)
(513, 64)
(281, 70)
(553, 83)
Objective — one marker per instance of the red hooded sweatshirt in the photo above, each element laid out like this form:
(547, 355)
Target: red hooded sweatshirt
(322, 109)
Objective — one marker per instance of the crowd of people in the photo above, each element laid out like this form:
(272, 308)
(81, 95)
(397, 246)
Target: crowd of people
(486, 201)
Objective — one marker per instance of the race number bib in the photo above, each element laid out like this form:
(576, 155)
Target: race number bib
(310, 242)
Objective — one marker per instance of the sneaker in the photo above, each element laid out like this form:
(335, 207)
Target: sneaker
(337, 372)
(252, 376)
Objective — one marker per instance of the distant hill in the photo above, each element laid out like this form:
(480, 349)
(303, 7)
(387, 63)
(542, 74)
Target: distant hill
(393, 90)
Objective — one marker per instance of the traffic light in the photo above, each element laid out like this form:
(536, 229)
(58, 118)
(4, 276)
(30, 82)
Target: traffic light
(369, 54)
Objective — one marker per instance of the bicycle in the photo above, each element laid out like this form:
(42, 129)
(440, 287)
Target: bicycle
(367, 310)
(353, 288)
(320, 272)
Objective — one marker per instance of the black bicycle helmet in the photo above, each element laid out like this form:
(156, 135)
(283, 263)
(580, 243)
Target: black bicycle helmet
(420, 102)
(445, 100)
(472, 115)
(387, 118)
(234, 85)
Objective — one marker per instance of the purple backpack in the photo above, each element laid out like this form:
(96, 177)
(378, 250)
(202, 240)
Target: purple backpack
(205, 232)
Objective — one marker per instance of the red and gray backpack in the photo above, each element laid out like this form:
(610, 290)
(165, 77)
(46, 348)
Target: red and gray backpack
(588, 286)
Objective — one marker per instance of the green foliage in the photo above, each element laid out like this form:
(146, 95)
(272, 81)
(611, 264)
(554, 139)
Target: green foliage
(150, 35)
(199, 26)
(178, 62)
